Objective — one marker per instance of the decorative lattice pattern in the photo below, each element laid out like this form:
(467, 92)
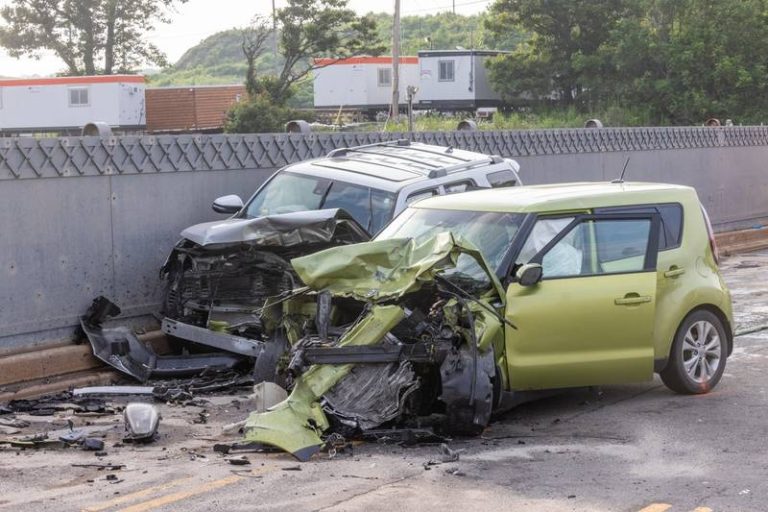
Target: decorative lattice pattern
(22, 158)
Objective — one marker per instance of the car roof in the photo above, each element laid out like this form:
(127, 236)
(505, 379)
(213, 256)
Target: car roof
(392, 165)
(559, 197)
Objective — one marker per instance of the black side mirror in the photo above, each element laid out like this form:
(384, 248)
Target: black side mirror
(529, 274)
(227, 204)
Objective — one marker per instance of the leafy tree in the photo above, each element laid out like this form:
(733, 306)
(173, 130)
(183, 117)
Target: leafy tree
(319, 28)
(693, 59)
(89, 36)
(307, 29)
(562, 36)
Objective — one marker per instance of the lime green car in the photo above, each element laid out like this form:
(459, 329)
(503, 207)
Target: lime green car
(468, 304)
(606, 282)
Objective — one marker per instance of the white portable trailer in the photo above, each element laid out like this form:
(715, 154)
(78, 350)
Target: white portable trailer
(361, 83)
(66, 104)
(455, 80)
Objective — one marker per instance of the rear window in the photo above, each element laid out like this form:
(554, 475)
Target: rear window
(502, 179)
(671, 232)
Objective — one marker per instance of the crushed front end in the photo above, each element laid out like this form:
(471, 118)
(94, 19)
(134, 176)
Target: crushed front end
(391, 333)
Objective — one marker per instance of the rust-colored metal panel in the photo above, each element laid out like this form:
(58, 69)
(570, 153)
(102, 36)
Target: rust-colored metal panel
(190, 109)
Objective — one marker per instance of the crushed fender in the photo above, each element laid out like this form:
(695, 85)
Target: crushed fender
(389, 334)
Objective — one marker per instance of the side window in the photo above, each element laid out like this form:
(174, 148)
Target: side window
(421, 194)
(621, 245)
(78, 97)
(502, 179)
(384, 77)
(671, 214)
(543, 232)
(446, 71)
(591, 247)
(459, 186)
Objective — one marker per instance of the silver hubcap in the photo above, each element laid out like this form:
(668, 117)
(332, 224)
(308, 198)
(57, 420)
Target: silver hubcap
(701, 351)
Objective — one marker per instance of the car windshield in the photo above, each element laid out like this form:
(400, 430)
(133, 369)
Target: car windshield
(491, 232)
(288, 192)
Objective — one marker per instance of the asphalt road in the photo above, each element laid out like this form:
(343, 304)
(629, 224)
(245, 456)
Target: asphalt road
(622, 448)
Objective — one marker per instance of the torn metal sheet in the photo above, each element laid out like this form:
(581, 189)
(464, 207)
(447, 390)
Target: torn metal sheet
(386, 269)
(283, 230)
(121, 348)
(399, 322)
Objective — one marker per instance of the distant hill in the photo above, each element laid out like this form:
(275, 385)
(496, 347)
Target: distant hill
(218, 59)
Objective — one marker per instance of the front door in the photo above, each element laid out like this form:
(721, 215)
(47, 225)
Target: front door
(590, 320)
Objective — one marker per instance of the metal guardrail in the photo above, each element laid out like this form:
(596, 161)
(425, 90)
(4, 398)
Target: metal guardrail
(29, 158)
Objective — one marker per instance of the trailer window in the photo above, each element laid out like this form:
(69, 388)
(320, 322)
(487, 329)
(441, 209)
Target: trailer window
(385, 77)
(446, 70)
(78, 97)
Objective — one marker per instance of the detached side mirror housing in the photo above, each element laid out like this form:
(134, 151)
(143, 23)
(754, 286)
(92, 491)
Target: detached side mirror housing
(228, 204)
(529, 274)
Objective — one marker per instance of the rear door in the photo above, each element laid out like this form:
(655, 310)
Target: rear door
(590, 320)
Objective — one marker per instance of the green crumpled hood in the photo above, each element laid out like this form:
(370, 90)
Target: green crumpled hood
(385, 269)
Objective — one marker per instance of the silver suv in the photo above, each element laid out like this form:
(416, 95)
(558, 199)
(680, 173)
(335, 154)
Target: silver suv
(220, 274)
(371, 183)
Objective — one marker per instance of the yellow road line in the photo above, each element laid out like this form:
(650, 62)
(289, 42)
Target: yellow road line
(656, 507)
(182, 495)
(702, 509)
(135, 495)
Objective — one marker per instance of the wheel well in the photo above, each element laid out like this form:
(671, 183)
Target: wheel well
(721, 316)
(660, 364)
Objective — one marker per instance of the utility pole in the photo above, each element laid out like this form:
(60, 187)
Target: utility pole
(274, 36)
(396, 63)
(454, 7)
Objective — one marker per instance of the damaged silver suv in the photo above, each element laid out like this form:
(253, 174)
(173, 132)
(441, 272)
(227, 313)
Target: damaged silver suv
(219, 275)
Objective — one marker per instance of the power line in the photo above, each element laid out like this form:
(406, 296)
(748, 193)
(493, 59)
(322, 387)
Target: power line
(447, 7)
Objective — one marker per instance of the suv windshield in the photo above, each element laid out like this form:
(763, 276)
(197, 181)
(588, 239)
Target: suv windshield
(287, 192)
(491, 232)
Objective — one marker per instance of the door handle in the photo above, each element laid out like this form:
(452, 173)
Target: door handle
(631, 299)
(674, 271)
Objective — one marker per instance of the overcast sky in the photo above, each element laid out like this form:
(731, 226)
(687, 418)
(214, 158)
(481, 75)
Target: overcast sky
(198, 19)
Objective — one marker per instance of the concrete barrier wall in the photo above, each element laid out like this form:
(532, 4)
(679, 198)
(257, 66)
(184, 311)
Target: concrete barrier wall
(81, 217)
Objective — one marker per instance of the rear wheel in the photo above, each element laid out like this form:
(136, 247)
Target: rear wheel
(697, 358)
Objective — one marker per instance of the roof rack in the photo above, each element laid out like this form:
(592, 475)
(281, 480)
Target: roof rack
(444, 171)
(343, 151)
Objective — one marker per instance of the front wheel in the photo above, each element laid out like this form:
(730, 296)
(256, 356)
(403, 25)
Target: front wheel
(697, 358)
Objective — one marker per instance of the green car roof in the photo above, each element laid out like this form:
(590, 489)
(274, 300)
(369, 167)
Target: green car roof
(559, 197)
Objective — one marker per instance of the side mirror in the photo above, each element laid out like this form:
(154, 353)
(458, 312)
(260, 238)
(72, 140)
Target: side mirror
(529, 274)
(228, 204)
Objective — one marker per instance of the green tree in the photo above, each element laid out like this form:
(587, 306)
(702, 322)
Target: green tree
(692, 59)
(307, 29)
(89, 36)
(562, 36)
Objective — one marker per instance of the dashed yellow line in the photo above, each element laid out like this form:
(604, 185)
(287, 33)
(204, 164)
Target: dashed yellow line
(663, 507)
(182, 495)
(135, 495)
(656, 507)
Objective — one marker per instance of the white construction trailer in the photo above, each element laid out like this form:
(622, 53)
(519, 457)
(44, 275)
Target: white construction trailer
(361, 83)
(455, 80)
(66, 104)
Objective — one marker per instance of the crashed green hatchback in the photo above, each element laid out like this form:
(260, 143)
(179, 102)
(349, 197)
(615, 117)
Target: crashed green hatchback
(469, 304)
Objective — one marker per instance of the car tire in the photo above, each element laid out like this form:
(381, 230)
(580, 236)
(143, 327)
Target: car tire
(698, 354)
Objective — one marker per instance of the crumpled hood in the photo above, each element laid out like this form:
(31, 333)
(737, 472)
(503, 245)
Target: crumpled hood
(385, 269)
(284, 230)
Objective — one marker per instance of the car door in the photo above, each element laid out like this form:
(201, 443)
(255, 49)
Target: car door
(590, 319)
